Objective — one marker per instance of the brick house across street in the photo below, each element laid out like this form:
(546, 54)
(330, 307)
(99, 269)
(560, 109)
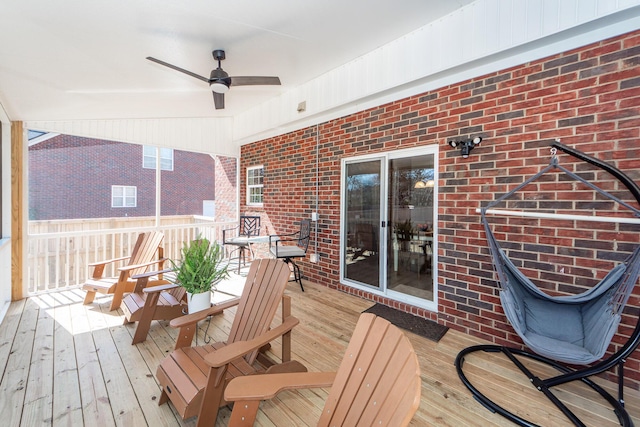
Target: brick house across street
(72, 177)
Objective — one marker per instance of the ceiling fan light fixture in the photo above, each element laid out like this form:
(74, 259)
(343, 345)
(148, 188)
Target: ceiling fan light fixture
(219, 87)
(425, 184)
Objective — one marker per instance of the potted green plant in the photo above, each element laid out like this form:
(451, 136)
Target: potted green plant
(200, 268)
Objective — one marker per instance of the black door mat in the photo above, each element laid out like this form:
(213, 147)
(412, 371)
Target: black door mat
(418, 325)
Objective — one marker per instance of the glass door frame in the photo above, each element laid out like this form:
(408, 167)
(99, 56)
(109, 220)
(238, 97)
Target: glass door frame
(382, 290)
(343, 228)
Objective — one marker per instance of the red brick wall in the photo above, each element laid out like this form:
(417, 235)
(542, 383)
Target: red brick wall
(226, 188)
(589, 97)
(191, 181)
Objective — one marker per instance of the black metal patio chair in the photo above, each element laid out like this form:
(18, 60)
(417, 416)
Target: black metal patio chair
(289, 246)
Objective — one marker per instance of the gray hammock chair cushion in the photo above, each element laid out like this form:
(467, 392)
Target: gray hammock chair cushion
(575, 329)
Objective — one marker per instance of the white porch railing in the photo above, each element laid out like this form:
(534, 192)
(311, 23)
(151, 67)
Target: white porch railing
(59, 260)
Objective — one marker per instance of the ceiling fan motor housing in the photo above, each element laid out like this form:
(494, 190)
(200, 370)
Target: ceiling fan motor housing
(218, 55)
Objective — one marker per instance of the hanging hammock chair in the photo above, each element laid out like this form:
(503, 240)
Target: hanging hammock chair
(589, 320)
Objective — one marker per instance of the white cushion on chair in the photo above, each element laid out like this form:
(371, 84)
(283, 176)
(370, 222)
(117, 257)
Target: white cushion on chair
(288, 252)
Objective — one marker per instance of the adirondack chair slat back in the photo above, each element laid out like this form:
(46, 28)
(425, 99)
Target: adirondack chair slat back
(262, 293)
(378, 382)
(178, 293)
(144, 250)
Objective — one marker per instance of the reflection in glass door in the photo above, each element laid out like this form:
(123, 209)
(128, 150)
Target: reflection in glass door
(411, 186)
(361, 222)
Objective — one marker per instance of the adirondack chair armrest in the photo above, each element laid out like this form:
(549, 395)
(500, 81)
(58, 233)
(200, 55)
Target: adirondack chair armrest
(107, 261)
(238, 349)
(161, 261)
(151, 273)
(267, 386)
(190, 319)
(134, 266)
(159, 288)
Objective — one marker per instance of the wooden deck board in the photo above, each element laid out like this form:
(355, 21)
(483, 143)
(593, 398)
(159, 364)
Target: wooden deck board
(67, 406)
(38, 402)
(65, 364)
(143, 384)
(16, 372)
(96, 409)
(8, 331)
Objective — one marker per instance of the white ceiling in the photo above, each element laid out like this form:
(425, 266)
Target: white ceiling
(79, 59)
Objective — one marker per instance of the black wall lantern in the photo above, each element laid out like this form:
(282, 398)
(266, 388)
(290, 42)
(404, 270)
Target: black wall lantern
(466, 146)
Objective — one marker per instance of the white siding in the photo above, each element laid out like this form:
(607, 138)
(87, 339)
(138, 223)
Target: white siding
(505, 33)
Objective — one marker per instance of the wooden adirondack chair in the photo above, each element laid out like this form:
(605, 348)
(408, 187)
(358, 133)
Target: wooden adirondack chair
(163, 301)
(377, 383)
(194, 378)
(159, 300)
(142, 256)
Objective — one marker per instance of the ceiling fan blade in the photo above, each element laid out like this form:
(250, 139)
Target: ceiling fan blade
(218, 100)
(254, 80)
(182, 70)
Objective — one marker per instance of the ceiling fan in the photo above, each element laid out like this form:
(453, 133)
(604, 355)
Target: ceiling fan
(220, 81)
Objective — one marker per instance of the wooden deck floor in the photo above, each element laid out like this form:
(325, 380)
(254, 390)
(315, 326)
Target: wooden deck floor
(62, 363)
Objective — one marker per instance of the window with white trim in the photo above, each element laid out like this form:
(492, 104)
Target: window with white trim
(149, 158)
(255, 184)
(124, 196)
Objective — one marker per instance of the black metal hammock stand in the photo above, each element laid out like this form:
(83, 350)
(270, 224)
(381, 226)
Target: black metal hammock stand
(589, 320)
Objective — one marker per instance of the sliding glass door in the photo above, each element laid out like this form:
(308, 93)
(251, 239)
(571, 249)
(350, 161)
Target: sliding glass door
(411, 188)
(361, 260)
(388, 225)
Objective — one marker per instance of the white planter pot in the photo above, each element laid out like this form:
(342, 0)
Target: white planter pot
(198, 302)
